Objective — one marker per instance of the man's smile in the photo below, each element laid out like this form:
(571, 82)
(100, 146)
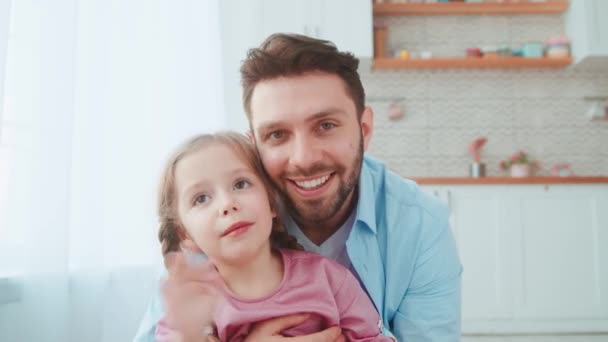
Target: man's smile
(312, 187)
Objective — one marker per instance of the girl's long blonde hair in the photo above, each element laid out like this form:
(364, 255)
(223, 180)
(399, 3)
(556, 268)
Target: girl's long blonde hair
(171, 232)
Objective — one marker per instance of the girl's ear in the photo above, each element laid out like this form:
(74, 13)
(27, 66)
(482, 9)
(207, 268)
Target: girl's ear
(181, 233)
(186, 242)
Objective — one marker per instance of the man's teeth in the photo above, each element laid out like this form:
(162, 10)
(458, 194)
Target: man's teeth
(313, 183)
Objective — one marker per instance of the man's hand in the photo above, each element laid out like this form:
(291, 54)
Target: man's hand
(270, 331)
(191, 293)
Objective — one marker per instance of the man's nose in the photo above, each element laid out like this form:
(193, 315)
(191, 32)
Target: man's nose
(304, 153)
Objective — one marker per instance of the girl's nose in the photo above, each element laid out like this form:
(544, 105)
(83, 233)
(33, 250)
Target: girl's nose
(227, 210)
(228, 204)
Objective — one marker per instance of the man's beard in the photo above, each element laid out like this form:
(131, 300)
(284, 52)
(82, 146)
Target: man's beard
(321, 210)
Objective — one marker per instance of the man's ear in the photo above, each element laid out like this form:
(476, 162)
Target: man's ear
(367, 126)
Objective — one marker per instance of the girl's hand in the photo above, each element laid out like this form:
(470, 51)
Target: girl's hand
(191, 294)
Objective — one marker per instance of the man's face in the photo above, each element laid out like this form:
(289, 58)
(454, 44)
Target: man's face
(310, 142)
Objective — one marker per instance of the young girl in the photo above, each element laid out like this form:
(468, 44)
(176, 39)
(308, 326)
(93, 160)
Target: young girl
(214, 195)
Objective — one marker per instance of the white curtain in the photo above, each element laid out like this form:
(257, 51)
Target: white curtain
(98, 92)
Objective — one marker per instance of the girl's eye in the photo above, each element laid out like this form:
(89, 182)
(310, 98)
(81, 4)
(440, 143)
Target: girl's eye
(242, 184)
(327, 125)
(200, 199)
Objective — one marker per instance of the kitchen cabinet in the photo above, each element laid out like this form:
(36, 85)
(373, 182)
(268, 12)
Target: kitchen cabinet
(587, 26)
(347, 23)
(535, 257)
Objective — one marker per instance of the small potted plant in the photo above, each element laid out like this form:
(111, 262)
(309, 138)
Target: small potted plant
(519, 165)
(478, 169)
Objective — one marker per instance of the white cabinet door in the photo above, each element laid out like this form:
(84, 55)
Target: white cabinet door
(348, 24)
(588, 28)
(535, 257)
(287, 16)
(563, 257)
(599, 21)
(481, 220)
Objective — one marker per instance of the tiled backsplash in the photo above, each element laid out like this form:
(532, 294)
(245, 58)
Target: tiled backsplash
(540, 111)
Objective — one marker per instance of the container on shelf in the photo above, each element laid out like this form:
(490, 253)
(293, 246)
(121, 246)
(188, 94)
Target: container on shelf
(425, 55)
(380, 38)
(504, 51)
(558, 47)
(404, 54)
(473, 52)
(521, 170)
(489, 51)
(477, 170)
(533, 50)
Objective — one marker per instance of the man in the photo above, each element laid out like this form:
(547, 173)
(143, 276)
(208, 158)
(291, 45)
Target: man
(306, 109)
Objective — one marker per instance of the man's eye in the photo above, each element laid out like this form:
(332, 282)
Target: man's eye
(327, 125)
(200, 199)
(276, 135)
(242, 184)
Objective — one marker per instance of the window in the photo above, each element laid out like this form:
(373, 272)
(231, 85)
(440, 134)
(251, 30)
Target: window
(9, 238)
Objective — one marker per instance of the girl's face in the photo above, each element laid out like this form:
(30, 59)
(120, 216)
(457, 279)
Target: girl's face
(223, 205)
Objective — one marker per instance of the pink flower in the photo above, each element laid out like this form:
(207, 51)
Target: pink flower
(519, 158)
(475, 148)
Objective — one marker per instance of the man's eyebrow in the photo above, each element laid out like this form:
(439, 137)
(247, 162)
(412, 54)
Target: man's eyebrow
(274, 125)
(270, 126)
(325, 113)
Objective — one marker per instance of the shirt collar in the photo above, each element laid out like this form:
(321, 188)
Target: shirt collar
(366, 206)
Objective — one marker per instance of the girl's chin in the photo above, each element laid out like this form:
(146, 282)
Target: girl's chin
(238, 257)
(241, 253)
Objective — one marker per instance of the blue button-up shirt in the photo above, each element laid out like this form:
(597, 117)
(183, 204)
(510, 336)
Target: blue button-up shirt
(403, 251)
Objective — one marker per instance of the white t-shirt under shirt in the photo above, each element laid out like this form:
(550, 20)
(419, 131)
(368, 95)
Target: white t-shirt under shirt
(334, 247)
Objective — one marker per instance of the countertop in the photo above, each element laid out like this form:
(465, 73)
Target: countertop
(510, 180)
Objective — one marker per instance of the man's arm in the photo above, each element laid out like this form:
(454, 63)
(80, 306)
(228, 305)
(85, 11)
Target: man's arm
(430, 309)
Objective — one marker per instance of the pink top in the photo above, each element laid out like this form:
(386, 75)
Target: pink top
(311, 284)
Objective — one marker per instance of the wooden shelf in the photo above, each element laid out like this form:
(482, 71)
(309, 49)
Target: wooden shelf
(470, 63)
(471, 8)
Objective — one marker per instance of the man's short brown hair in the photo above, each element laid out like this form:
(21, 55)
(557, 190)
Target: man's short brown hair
(284, 55)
